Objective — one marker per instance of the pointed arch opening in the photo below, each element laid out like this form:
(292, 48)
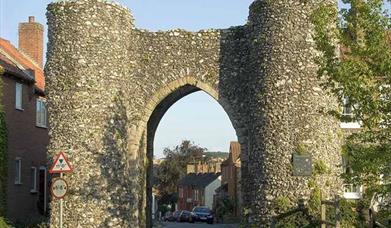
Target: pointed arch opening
(161, 103)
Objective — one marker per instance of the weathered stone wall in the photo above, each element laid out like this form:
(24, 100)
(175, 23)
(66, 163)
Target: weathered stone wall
(109, 84)
(288, 108)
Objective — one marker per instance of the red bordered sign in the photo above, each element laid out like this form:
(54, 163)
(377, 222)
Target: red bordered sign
(59, 188)
(61, 164)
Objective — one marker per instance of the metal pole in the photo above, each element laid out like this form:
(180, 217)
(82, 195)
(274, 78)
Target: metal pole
(61, 208)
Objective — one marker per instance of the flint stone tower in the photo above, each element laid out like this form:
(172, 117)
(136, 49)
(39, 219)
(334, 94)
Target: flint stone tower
(109, 84)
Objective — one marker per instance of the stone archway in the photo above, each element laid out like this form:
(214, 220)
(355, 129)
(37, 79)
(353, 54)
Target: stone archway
(107, 80)
(168, 95)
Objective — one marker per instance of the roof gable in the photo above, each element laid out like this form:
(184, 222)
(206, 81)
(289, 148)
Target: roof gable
(16, 62)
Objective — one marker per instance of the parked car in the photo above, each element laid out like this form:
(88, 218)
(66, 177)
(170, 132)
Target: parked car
(185, 216)
(171, 216)
(203, 214)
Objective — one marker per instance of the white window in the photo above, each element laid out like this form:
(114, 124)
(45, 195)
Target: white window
(352, 191)
(18, 171)
(33, 182)
(347, 111)
(18, 96)
(41, 113)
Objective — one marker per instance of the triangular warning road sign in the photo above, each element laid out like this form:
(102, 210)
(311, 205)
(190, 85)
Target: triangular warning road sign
(61, 164)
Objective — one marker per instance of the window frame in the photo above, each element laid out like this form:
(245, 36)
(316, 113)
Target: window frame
(348, 111)
(41, 113)
(33, 173)
(196, 194)
(347, 108)
(18, 96)
(18, 169)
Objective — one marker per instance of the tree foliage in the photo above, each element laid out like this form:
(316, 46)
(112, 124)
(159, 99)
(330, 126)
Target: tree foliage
(355, 63)
(173, 168)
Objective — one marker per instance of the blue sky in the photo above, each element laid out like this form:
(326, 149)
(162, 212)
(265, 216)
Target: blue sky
(196, 117)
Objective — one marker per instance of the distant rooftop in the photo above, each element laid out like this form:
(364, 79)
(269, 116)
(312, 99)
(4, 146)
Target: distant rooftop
(218, 154)
(200, 180)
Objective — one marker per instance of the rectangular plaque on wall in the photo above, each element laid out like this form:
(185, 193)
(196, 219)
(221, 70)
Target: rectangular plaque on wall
(302, 165)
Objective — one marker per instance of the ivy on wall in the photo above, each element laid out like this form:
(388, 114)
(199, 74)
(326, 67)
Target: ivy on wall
(3, 154)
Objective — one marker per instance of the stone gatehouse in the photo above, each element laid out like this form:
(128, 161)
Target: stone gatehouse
(109, 84)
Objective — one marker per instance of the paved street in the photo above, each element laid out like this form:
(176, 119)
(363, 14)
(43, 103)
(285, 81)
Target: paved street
(196, 225)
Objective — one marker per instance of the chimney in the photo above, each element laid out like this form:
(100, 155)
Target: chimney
(31, 40)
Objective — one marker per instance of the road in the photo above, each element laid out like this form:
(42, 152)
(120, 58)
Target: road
(196, 225)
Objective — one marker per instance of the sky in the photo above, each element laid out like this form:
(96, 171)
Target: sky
(197, 117)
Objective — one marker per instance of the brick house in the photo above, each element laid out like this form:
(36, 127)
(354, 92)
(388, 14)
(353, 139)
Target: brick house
(230, 177)
(197, 189)
(26, 121)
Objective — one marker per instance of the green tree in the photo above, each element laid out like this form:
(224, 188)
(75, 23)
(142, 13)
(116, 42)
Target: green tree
(356, 64)
(173, 168)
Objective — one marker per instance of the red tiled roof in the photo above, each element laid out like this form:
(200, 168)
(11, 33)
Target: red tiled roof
(13, 69)
(18, 63)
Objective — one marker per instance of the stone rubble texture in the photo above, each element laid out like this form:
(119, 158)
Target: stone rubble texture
(109, 84)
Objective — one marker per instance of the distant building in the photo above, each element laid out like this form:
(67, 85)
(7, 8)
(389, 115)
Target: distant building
(24, 104)
(197, 190)
(211, 163)
(230, 177)
(204, 167)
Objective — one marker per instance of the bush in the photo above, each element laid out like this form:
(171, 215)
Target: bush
(3, 223)
(320, 168)
(350, 212)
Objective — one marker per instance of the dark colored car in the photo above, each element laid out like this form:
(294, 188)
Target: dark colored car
(203, 214)
(185, 216)
(171, 217)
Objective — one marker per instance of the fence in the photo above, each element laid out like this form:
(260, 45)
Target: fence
(322, 221)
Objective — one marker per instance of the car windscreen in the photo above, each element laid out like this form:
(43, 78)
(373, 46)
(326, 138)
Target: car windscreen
(201, 210)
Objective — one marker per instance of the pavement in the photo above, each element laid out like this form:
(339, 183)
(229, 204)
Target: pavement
(195, 225)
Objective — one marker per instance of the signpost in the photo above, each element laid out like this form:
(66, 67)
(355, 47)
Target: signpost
(59, 186)
(61, 164)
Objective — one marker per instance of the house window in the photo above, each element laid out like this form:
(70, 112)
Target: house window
(33, 182)
(180, 192)
(196, 194)
(41, 113)
(18, 96)
(18, 171)
(347, 108)
(347, 114)
(351, 191)
(346, 169)
(42, 190)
